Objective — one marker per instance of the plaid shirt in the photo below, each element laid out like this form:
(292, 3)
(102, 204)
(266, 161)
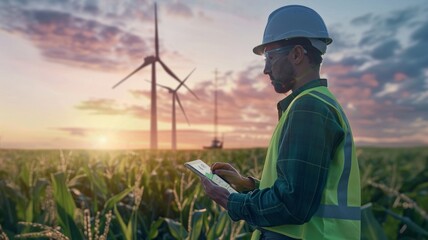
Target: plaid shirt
(310, 137)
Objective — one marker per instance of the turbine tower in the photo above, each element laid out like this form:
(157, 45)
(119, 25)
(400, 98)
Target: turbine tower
(147, 61)
(175, 98)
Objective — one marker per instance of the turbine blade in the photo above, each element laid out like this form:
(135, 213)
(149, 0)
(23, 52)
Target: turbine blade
(166, 87)
(147, 61)
(156, 31)
(181, 106)
(175, 77)
(182, 83)
(160, 85)
(169, 70)
(188, 89)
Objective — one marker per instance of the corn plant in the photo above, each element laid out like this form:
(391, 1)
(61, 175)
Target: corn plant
(151, 195)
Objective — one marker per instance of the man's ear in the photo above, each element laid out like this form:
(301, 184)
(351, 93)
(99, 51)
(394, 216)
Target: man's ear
(298, 54)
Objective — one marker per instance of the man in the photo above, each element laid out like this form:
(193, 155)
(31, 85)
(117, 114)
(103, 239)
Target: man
(310, 185)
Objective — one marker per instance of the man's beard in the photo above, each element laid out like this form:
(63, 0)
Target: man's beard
(283, 86)
(286, 79)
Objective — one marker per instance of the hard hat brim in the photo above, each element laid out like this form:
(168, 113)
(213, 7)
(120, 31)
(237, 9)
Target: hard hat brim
(259, 50)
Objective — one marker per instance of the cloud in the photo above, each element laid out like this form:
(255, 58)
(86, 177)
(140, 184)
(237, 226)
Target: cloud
(341, 38)
(136, 139)
(382, 28)
(389, 88)
(247, 108)
(179, 9)
(140, 94)
(421, 34)
(62, 37)
(113, 10)
(80, 132)
(89, 34)
(419, 38)
(80, 38)
(102, 107)
(399, 18)
(382, 80)
(362, 20)
(385, 49)
(379, 87)
(250, 101)
(391, 57)
(379, 76)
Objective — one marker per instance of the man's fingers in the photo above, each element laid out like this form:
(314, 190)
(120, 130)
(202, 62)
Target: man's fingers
(225, 173)
(220, 165)
(210, 188)
(206, 183)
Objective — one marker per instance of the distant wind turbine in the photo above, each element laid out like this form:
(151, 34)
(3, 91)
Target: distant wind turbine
(175, 97)
(147, 61)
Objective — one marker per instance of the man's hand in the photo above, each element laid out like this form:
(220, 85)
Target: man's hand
(218, 194)
(233, 177)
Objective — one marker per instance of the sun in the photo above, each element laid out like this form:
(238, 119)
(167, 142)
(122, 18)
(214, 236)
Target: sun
(102, 140)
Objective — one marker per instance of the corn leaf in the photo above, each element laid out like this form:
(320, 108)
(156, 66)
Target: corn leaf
(217, 229)
(126, 230)
(97, 181)
(65, 206)
(222, 221)
(197, 223)
(153, 232)
(116, 198)
(176, 229)
(370, 227)
(412, 225)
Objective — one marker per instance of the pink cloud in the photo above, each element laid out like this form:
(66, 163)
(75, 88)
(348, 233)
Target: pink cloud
(247, 109)
(336, 69)
(112, 107)
(101, 106)
(179, 9)
(400, 77)
(75, 41)
(369, 80)
(133, 139)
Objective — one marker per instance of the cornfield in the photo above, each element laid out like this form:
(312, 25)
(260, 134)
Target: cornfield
(151, 195)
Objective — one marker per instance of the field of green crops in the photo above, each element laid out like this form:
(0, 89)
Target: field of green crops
(151, 195)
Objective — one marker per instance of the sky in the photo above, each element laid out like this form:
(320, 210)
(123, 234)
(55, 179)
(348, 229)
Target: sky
(60, 58)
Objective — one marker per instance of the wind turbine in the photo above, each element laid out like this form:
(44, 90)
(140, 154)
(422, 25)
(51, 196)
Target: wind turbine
(175, 97)
(147, 61)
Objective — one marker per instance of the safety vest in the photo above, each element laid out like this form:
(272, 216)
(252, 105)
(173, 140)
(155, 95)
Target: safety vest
(338, 216)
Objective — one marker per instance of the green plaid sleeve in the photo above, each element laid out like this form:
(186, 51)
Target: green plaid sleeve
(310, 137)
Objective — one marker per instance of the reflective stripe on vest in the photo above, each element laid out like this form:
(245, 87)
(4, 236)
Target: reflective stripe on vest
(341, 211)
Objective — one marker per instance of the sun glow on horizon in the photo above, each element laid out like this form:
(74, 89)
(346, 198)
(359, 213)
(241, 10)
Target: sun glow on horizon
(102, 141)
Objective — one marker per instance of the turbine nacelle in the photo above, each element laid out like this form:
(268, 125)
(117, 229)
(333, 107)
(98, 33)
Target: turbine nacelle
(150, 59)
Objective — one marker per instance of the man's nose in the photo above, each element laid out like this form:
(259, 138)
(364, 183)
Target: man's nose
(267, 68)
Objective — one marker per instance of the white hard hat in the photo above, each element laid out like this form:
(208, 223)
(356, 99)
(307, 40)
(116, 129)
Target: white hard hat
(295, 21)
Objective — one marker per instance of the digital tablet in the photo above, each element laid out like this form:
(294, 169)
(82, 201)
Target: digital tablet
(203, 170)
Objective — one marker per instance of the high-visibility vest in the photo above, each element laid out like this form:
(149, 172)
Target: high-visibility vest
(339, 214)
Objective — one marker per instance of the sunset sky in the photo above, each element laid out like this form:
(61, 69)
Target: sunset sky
(60, 58)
